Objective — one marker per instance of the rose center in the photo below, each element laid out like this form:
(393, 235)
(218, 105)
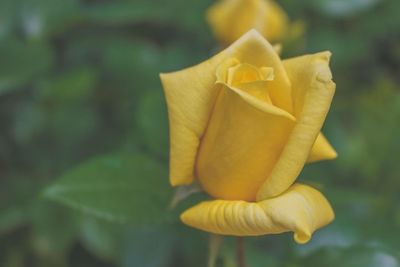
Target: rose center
(246, 77)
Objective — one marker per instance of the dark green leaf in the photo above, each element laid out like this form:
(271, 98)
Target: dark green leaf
(117, 13)
(21, 62)
(121, 188)
(356, 256)
(141, 247)
(50, 240)
(70, 87)
(40, 18)
(152, 122)
(103, 239)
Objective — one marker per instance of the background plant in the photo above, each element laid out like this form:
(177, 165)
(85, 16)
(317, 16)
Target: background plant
(84, 134)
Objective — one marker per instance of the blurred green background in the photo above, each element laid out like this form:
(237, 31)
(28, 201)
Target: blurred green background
(84, 134)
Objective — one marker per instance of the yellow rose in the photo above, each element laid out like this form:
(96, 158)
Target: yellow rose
(230, 19)
(243, 124)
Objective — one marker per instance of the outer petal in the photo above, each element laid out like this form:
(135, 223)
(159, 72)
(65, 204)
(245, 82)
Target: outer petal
(316, 99)
(301, 209)
(243, 141)
(321, 150)
(190, 98)
(191, 94)
(298, 68)
(302, 72)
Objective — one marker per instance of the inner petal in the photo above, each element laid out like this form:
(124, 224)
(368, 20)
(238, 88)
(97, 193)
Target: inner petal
(258, 89)
(267, 73)
(251, 79)
(243, 73)
(222, 69)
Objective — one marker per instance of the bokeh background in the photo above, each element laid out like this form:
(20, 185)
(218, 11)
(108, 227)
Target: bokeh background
(84, 134)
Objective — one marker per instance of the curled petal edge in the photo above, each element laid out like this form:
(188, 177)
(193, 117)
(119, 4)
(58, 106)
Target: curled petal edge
(301, 209)
(301, 70)
(260, 105)
(317, 102)
(321, 150)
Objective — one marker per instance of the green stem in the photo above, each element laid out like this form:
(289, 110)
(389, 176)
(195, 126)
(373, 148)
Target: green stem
(240, 252)
(214, 247)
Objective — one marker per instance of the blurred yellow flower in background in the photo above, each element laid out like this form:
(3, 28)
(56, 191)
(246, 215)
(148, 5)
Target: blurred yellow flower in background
(230, 19)
(243, 124)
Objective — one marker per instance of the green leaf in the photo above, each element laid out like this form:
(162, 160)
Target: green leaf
(21, 62)
(352, 209)
(122, 188)
(256, 255)
(131, 62)
(16, 200)
(49, 239)
(8, 17)
(40, 18)
(118, 13)
(70, 87)
(141, 250)
(152, 122)
(356, 256)
(192, 246)
(103, 239)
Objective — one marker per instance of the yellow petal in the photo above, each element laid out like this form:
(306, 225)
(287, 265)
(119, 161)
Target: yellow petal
(267, 73)
(258, 90)
(253, 49)
(243, 73)
(301, 72)
(243, 141)
(321, 150)
(190, 98)
(298, 69)
(278, 48)
(316, 99)
(191, 95)
(301, 209)
(252, 99)
(222, 69)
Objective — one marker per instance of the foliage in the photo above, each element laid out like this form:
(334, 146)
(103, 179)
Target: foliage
(80, 101)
